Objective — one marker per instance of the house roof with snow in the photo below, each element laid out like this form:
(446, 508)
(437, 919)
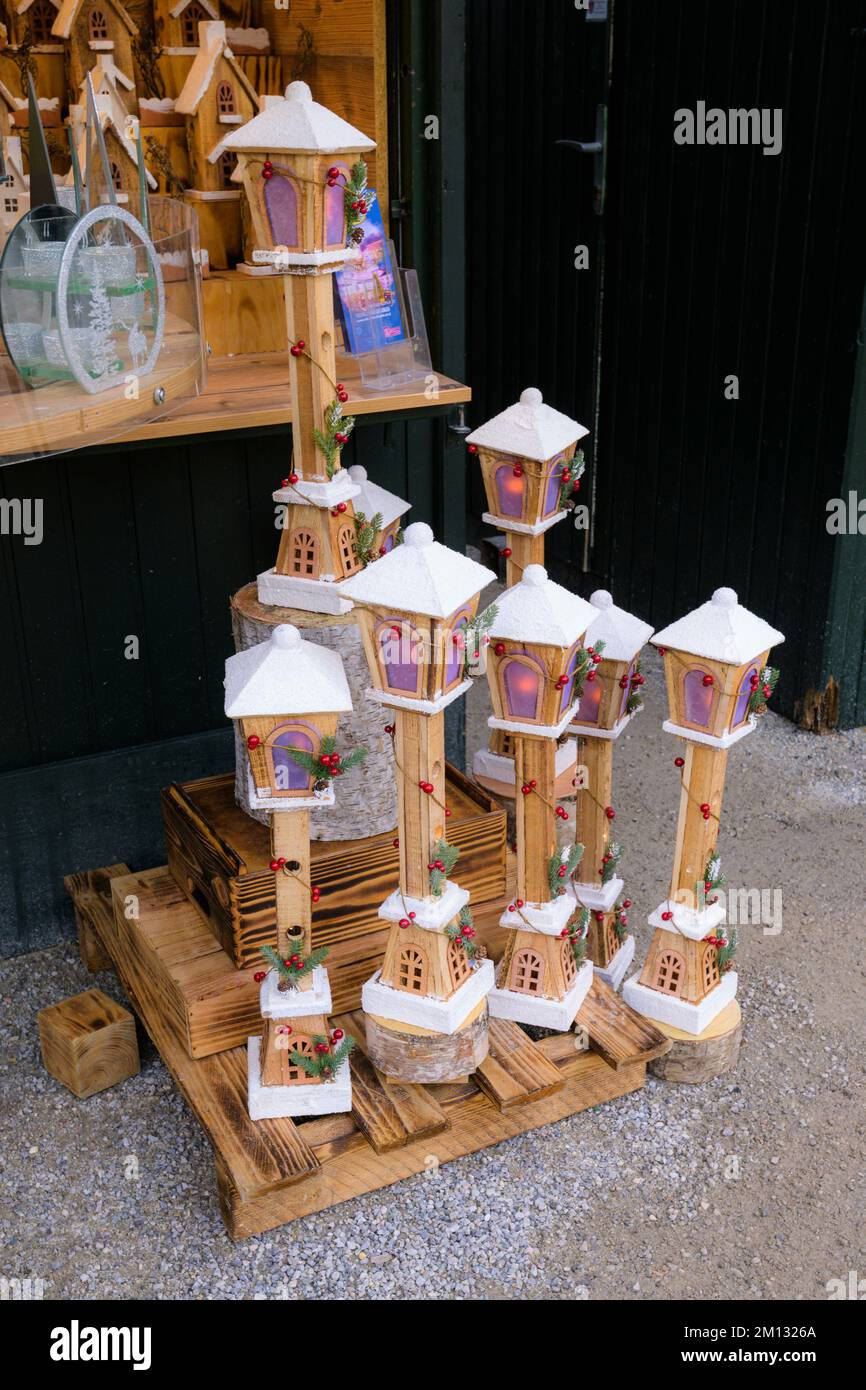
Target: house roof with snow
(529, 429)
(286, 675)
(299, 123)
(212, 45)
(622, 633)
(720, 629)
(372, 498)
(419, 576)
(537, 610)
(69, 11)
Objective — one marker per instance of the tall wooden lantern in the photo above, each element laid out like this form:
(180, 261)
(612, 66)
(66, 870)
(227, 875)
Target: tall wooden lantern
(717, 679)
(287, 696)
(611, 698)
(427, 1016)
(536, 662)
(304, 177)
(530, 472)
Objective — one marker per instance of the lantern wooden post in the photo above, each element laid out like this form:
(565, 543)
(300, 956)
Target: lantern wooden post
(287, 694)
(717, 678)
(530, 471)
(610, 699)
(533, 659)
(426, 1011)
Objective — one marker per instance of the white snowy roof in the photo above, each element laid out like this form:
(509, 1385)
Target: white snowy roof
(299, 123)
(286, 675)
(372, 498)
(212, 45)
(720, 629)
(537, 610)
(622, 633)
(419, 576)
(530, 428)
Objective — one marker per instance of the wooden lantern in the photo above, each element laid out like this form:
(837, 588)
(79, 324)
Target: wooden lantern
(374, 502)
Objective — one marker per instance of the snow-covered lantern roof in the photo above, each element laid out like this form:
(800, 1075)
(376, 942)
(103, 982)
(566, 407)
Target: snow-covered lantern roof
(715, 659)
(535, 654)
(285, 694)
(612, 692)
(373, 501)
(524, 452)
(296, 158)
(413, 606)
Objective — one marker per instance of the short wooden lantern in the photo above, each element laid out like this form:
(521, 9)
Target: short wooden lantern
(524, 453)
(611, 693)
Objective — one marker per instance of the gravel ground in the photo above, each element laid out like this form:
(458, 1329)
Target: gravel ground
(747, 1187)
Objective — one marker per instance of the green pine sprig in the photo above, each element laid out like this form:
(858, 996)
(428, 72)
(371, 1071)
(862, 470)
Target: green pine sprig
(462, 932)
(634, 701)
(767, 682)
(354, 191)
(291, 974)
(447, 855)
(562, 859)
(610, 861)
(712, 880)
(325, 771)
(323, 1066)
(366, 536)
(575, 470)
(620, 920)
(476, 631)
(576, 932)
(585, 664)
(327, 443)
(726, 952)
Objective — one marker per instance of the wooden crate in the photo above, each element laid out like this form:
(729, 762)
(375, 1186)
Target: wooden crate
(271, 1171)
(219, 857)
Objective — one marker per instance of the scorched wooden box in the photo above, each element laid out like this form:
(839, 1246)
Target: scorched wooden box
(219, 857)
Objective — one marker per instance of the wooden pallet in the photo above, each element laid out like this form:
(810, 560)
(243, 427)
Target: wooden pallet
(271, 1171)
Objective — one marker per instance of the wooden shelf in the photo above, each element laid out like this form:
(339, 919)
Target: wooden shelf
(252, 392)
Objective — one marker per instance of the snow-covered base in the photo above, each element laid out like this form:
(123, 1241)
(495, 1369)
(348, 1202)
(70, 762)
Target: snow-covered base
(548, 919)
(598, 897)
(542, 1013)
(515, 726)
(686, 921)
(613, 973)
(295, 1003)
(695, 735)
(260, 802)
(312, 595)
(329, 494)
(431, 914)
(276, 1102)
(666, 1008)
(439, 1015)
(497, 767)
(523, 528)
(591, 731)
(384, 697)
(304, 260)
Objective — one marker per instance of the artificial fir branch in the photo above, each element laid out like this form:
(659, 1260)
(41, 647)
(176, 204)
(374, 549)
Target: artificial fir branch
(634, 701)
(587, 661)
(713, 878)
(726, 952)
(445, 855)
(576, 933)
(323, 1065)
(560, 866)
(462, 932)
(572, 474)
(355, 202)
(762, 690)
(366, 534)
(291, 969)
(337, 430)
(610, 861)
(322, 765)
(476, 631)
(620, 920)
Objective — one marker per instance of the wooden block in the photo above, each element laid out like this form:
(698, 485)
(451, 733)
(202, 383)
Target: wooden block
(616, 1032)
(90, 948)
(88, 1042)
(515, 1071)
(390, 1113)
(693, 1058)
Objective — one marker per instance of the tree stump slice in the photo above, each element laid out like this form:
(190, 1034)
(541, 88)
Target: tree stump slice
(406, 1053)
(366, 801)
(695, 1058)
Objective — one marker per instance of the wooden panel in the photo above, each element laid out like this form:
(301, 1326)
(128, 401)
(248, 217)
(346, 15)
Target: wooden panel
(243, 313)
(616, 1032)
(391, 1114)
(515, 1071)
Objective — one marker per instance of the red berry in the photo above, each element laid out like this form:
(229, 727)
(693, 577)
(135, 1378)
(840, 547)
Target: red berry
(266, 164)
(260, 975)
(506, 551)
(706, 815)
(679, 762)
(337, 1035)
(281, 860)
(473, 448)
(412, 916)
(667, 916)
(708, 680)
(339, 387)
(275, 865)
(533, 784)
(518, 902)
(564, 931)
(626, 902)
(333, 172)
(561, 871)
(499, 649)
(447, 811)
(253, 741)
(295, 350)
(599, 916)
(705, 806)
(396, 844)
(511, 907)
(590, 675)
(340, 437)
(403, 922)
(767, 692)
(663, 651)
(315, 894)
(610, 812)
(623, 682)
(322, 1047)
(341, 507)
(517, 470)
(285, 1028)
(293, 477)
(526, 789)
(266, 174)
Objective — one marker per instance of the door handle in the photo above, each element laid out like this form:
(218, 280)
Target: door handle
(597, 148)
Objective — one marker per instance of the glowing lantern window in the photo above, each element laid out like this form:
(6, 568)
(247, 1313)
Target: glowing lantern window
(697, 698)
(554, 487)
(281, 202)
(510, 491)
(590, 700)
(401, 651)
(334, 215)
(568, 688)
(289, 775)
(522, 690)
(742, 705)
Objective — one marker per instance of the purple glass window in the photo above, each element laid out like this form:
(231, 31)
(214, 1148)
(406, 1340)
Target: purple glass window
(742, 704)
(554, 486)
(625, 694)
(400, 654)
(698, 698)
(289, 775)
(509, 490)
(334, 215)
(388, 543)
(522, 685)
(281, 202)
(590, 700)
(568, 688)
(456, 651)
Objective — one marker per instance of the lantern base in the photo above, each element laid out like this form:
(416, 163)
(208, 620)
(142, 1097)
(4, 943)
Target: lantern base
(613, 973)
(309, 493)
(665, 1008)
(259, 802)
(548, 919)
(420, 706)
(311, 595)
(523, 528)
(295, 1003)
(689, 923)
(538, 1012)
(424, 1011)
(409, 1054)
(277, 1102)
(591, 731)
(517, 726)
(598, 897)
(695, 735)
(693, 1060)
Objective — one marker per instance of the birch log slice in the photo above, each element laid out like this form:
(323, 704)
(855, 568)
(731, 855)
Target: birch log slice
(404, 1052)
(366, 798)
(697, 1058)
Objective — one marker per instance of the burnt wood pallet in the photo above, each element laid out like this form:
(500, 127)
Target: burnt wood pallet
(271, 1171)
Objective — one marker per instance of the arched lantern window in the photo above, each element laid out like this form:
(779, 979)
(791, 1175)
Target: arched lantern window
(522, 688)
(304, 554)
(281, 205)
(388, 543)
(741, 708)
(568, 689)
(455, 655)
(669, 972)
(401, 651)
(553, 487)
(510, 490)
(412, 970)
(527, 971)
(225, 100)
(288, 775)
(335, 215)
(698, 698)
(347, 544)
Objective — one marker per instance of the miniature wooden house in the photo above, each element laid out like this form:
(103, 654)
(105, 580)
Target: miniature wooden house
(33, 19)
(713, 658)
(372, 501)
(177, 23)
(414, 606)
(286, 694)
(93, 29)
(317, 543)
(15, 189)
(120, 148)
(523, 453)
